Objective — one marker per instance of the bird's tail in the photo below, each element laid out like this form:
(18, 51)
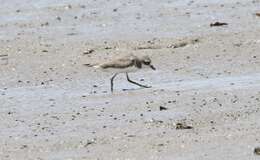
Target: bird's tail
(92, 65)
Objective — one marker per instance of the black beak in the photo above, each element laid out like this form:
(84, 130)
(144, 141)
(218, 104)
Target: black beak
(153, 68)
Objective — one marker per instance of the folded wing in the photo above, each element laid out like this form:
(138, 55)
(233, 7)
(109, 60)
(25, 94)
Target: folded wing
(123, 62)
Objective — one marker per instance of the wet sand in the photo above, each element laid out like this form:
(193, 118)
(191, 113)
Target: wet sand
(53, 107)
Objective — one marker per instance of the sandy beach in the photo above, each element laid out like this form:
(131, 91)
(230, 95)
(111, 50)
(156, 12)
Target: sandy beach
(53, 107)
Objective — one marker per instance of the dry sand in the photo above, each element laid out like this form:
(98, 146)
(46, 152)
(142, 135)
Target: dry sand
(55, 108)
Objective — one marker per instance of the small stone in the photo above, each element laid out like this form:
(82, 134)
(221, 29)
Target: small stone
(108, 47)
(72, 34)
(163, 108)
(89, 51)
(82, 6)
(218, 24)
(131, 136)
(45, 24)
(58, 18)
(257, 150)
(24, 146)
(183, 126)
(68, 7)
(89, 142)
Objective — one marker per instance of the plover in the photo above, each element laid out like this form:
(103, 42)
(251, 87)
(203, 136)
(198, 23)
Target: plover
(126, 64)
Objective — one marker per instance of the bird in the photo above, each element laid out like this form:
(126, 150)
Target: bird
(126, 64)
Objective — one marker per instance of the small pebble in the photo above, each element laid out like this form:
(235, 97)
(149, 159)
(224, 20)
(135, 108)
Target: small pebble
(163, 108)
(183, 126)
(89, 51)
(58, 18)
(257, 150)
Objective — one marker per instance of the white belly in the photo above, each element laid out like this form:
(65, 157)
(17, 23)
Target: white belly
(121, 70)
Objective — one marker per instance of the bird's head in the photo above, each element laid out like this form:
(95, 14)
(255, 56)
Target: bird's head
(147, 61)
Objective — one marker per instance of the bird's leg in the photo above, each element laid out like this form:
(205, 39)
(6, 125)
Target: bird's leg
(112, 83)
(129, 80)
